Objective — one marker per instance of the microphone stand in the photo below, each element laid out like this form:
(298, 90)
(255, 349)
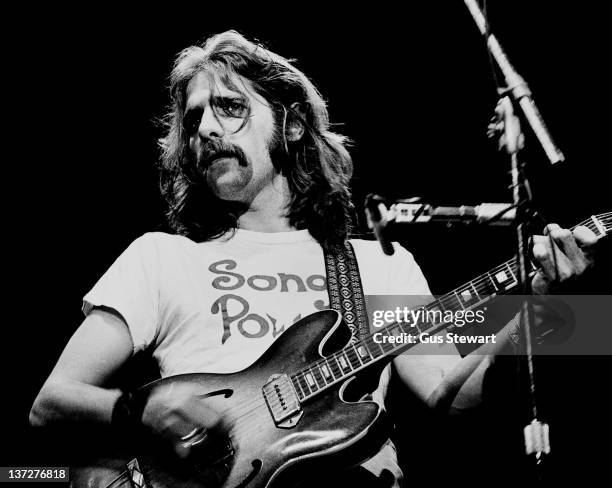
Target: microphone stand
(535, 433)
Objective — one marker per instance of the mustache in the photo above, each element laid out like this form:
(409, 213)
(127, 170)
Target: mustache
(215, 149)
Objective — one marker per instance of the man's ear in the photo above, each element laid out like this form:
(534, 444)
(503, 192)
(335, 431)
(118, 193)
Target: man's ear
(295, 122)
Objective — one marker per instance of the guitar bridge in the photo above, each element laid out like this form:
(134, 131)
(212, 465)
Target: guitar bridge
(282, 401)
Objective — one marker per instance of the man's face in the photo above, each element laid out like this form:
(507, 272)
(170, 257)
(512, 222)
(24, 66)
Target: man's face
(230, 133)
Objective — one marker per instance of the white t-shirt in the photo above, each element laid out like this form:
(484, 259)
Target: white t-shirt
(216, 307)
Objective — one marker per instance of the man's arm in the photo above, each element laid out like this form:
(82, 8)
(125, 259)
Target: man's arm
(74, 390)
(449, 383)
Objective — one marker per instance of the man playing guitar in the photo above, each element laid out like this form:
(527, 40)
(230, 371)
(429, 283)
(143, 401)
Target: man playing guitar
(257, 190)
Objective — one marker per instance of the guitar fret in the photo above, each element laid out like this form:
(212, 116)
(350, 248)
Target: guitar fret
(364, 353)
(480, 292)
(434, 307)
(418, 324)
(385, 346)
(415, 331)
(358, 354)
(395, 330)
(505, 278)
(475, 290)
(335, 368)
(318, 376)
(468, 295)
(310, 379)
(327, 374)
(303, 384)
(298, 388)
(453, 302)
(425, 326)
(459, 300)
(373, 347)
(512, 275)
(345, 365)
(402, 326)
(352, 356)
(501, 277)
(490, 282)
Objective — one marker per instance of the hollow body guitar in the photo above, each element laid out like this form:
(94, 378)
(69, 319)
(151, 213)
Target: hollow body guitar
(283, 416)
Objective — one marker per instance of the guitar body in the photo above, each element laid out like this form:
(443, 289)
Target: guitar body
(327, 431)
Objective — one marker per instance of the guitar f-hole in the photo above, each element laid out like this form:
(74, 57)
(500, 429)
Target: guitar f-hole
(225, 393)
(256, 464)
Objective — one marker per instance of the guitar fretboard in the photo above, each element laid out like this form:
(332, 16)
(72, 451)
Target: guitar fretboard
(357, 356)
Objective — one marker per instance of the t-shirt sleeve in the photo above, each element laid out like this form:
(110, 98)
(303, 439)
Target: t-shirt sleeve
(130, 287)
(406, 277)
(398, 274)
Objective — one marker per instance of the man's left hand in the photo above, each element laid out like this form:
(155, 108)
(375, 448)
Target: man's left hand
(562, 256)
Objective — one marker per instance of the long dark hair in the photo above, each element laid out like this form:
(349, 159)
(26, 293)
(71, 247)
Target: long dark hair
(318, 167)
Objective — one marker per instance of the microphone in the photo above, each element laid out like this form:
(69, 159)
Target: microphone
(407, 212)
(485, 213)
(378, 220)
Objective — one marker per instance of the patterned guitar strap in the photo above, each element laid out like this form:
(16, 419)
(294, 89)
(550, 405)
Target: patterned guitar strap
(345, 290)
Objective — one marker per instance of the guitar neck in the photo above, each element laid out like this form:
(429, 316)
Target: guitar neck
(365, 352)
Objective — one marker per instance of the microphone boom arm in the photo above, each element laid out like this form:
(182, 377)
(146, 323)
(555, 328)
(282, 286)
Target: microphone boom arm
(517, 88)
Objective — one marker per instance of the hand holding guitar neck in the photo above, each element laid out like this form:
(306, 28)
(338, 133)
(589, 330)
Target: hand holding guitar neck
(562, 256)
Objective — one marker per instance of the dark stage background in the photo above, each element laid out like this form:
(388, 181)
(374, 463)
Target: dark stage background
(411, 87)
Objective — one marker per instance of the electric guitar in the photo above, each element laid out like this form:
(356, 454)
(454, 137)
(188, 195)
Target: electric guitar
(289, 413)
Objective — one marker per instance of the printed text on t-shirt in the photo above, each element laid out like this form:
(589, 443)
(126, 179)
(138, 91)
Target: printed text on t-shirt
(230, 280)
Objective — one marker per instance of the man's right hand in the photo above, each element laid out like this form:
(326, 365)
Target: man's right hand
(175, 413)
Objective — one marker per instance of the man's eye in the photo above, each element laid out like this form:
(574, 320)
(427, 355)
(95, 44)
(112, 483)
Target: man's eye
(191, 124)
(233, 108)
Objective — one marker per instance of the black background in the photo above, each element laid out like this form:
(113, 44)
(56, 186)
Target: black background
(411, 87)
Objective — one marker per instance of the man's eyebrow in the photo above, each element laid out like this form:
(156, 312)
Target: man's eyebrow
(229, 97)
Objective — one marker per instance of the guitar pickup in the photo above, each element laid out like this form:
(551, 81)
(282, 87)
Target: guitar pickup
(282, 401)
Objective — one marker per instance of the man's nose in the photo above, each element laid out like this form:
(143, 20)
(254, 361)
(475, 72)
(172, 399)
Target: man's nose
(210, 126)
